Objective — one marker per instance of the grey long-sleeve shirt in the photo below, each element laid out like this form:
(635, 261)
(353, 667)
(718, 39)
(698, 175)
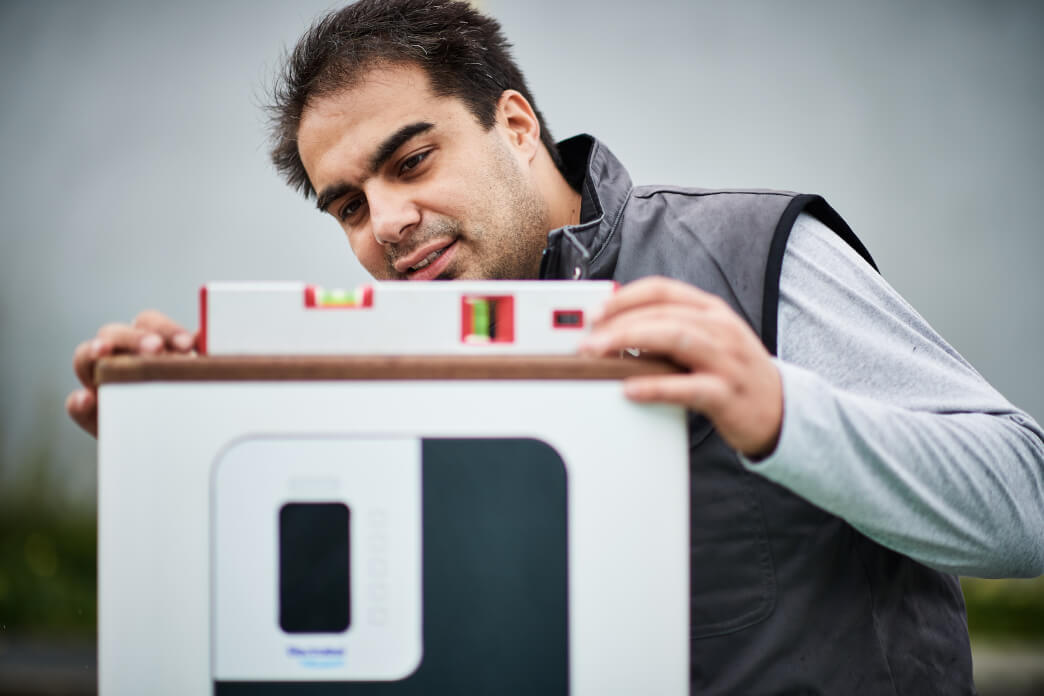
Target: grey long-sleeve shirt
(886, 426)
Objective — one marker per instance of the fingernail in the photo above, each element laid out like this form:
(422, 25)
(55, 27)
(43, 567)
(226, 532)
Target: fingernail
(96, 347)
(183, 341)
(81, 399)
(151, 344)
(596, 315)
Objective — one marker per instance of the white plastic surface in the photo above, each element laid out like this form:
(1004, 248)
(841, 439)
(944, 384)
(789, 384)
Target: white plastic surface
(627, 473)
(380, 483)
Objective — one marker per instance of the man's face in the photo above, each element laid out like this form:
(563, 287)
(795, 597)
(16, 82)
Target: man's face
(422, 190)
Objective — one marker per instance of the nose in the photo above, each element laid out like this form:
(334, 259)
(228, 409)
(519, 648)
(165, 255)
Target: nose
(392, 214)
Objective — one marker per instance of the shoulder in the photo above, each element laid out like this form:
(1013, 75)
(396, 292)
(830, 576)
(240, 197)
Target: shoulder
(815, 250)
(731, 213)
(726, 197)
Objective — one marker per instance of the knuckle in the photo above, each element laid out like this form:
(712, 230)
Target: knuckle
(145, 318)
(611, 307)
(113, 327)
(665, 282)
(719, 305)
(651, 286)
(679, 337)
(729, 329)
(737, 357)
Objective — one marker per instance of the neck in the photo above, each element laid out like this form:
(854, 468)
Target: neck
(564, 208)
(563, 202)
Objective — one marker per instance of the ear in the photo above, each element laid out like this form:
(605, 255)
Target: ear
(519, 123)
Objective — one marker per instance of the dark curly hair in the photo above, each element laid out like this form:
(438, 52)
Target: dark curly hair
(463, 52)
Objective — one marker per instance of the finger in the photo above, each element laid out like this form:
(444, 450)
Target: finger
(748, 428)
(82, 406)
(605, 338)
(702, 392)
(83, 362)
(174, 335)
(130, 339)
(654, 290)
(112, 339)
(686, 343)
(679, 313)
(86, 356)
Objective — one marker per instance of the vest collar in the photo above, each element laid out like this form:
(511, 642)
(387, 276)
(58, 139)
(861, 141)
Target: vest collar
(589, 250)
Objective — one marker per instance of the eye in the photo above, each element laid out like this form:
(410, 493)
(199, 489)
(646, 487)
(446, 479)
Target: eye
(350, 208)
(413, 161)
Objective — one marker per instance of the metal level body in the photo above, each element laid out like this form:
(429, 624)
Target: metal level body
(399, 318)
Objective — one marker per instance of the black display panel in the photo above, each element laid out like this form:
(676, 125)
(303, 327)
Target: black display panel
(314, 567)
(495, 569)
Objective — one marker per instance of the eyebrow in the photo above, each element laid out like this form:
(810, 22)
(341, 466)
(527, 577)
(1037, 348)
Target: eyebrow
(382, 154)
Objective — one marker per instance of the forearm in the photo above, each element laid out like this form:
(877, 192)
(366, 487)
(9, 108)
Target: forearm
(960, 492)
(888, 427)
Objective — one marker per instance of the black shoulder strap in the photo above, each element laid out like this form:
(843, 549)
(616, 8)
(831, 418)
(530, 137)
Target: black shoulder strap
(821, 210)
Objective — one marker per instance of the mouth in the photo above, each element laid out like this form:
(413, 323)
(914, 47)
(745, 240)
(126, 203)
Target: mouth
(426, 260)
(429, 261)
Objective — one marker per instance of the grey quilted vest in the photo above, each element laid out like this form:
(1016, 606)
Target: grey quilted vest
(785, 598)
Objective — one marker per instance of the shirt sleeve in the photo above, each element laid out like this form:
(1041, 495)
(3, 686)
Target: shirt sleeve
(888, 427)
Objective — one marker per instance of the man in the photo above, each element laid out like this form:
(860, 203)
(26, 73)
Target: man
(846, 463)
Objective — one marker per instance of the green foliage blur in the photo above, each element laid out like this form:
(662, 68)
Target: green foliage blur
(1005, 610)
(48, 557)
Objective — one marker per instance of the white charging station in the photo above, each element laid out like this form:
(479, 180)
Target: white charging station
(403, 525)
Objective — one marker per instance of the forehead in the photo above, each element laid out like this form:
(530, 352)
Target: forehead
(341, 130)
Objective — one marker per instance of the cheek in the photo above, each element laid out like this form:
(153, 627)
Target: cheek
(369, 253)
(443, 201)
(453, 193)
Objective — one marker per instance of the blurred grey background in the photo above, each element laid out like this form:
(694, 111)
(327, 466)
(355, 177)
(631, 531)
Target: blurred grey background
(135, 158)
(135, 168)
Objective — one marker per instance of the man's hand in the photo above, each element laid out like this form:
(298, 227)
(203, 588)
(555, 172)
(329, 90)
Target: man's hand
(731, 378)
(151, 333)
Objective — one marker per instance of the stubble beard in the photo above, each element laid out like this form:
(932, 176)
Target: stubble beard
(506, 242)
(511, 246)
